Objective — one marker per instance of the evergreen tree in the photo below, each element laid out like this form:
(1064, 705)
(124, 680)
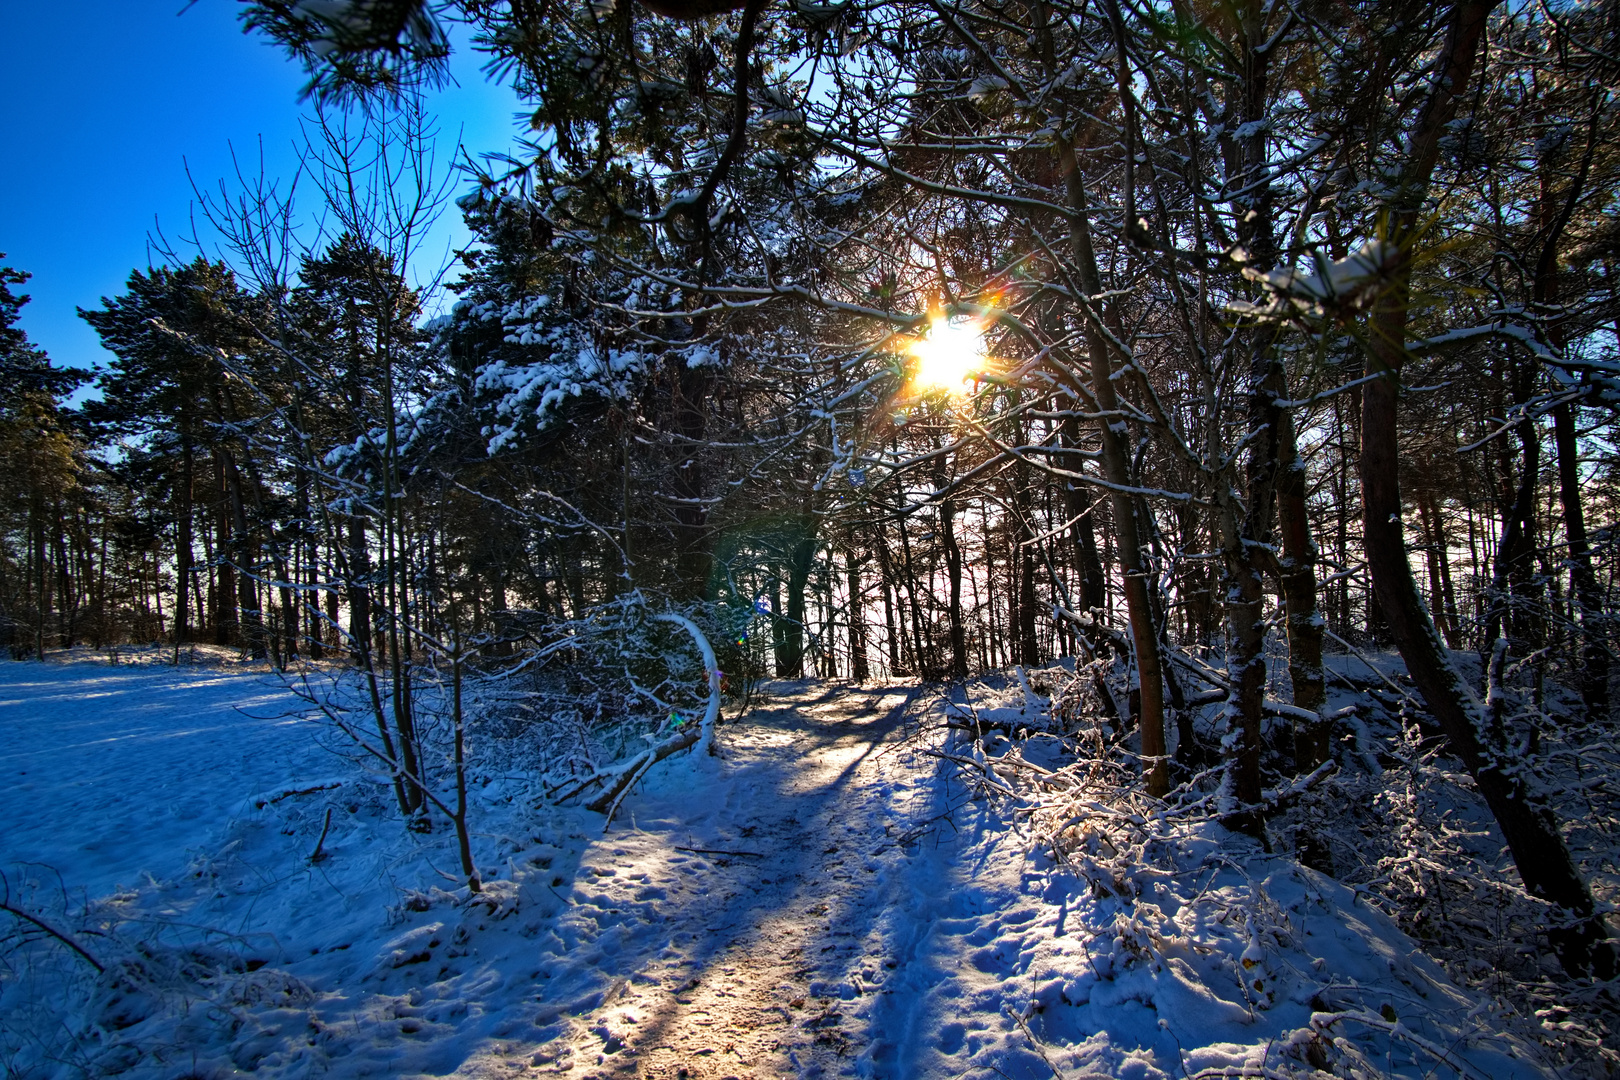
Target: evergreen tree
(173, 334)
(40, 468)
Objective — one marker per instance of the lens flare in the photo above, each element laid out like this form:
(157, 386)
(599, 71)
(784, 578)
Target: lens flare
(949, 356)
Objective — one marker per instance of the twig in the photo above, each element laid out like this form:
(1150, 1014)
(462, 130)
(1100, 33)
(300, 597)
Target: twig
(1023, 1025)
(717, 851)
(59, 935)
(317, 855)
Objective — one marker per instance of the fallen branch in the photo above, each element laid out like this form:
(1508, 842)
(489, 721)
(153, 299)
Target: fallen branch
(1284, 797)
(618, 778)
(711, 666)
(62, 936)
(984, 768)
(1251, 819)
(261, 803)
(1397, 1030)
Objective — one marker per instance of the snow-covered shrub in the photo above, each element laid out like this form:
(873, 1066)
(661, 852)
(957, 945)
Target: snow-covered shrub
(602, 687)
(1396, 821)
(113, 990)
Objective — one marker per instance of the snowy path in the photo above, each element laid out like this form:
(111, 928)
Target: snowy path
(872, 921)
(774, 959)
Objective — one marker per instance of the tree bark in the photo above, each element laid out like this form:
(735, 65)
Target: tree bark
(1313, 743)
(1246, 541)
(1022, 558)
(859, 668)
(890, 602)
(253, 629)
(36, 532)
(1593, 678)
(693, 562)
(1116, 467)
(182, 548)
(1429, 519)
(359, 589)
(922, 654)
(790, 661)
(225, 621)
(953, 573)
(1077, 503)
(1512, 599)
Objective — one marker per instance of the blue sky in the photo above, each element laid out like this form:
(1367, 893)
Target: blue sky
(109, 100)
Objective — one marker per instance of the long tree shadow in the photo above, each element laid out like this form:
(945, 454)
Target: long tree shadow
(781, 964)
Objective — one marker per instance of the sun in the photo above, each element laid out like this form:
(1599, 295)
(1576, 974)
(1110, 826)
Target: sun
(948, 356)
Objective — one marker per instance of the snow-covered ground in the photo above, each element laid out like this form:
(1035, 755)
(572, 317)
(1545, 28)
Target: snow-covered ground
(824, 899)
(113, 773)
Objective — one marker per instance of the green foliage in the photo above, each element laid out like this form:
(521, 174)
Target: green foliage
(27, 375)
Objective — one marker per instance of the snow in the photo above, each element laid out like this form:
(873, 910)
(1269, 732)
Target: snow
(825, 897)
(1329, 282)
(545, 361)
(109, 771)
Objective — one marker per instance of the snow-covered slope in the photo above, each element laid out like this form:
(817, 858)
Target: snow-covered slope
(825, 899)
(110, 773)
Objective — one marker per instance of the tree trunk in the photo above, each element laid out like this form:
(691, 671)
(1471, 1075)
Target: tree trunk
(694, 388)
(1512, 599)
(1245, 654)
(1116, 466)
(289, 608)
(922, 654)
(1448, 594)
(182, 550)
(1433, 553)
(1029, 648)
(66, 593)
(1346, 440)
(36, 531)
(790, 661)
(859, 669)
(953, 572)
(1022, 559)
(1077, 503)
(226, 625)
(245, 556)
(779, 644)
(359, 589)
(1578, 933)
(1312, 744)
(886, 584)
(1246, 540)
(312, 574)
(1593, 678)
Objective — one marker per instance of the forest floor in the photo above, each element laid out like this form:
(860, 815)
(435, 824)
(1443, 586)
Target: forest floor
(824, 898)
